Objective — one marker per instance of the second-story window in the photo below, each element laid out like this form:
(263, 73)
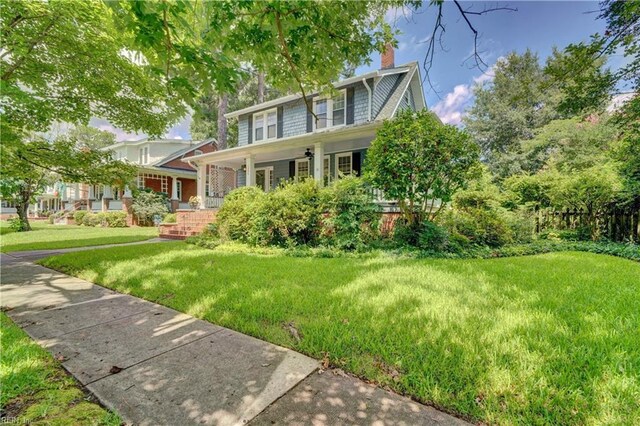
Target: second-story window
(330, 111)
(265, 125)
(143, 157)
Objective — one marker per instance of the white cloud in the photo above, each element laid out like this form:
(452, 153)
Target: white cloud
(451, 108)
(179, 131)
(395, 14)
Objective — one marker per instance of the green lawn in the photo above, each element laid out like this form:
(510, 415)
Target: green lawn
(36, 389)
(547, 339)
(45, 236)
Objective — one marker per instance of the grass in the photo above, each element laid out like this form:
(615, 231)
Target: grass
(546, 339)
(35, 388)
(46, 237)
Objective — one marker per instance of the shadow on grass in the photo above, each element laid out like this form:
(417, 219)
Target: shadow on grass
(549, 338)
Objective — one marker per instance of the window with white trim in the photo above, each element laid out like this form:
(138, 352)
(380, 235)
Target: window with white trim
(327, 169)
(143, 155)
(302, 168)
(265, 125)
(178, 189)
(344, 164)
(197, 152)
(331, 112)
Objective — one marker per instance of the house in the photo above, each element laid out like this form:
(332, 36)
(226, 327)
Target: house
(160, 168)
(283, 139)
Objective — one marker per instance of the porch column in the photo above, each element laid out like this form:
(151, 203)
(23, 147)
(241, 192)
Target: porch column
(106, 197)
(318, 163)
(174, 188)
(201, 184)
(250, 162)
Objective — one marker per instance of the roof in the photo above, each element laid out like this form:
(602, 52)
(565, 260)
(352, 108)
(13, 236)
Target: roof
(184, 151)
(147, 140)
(404, 68)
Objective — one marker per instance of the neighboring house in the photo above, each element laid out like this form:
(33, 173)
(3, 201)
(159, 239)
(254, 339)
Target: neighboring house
(160, 168)
(281, 139)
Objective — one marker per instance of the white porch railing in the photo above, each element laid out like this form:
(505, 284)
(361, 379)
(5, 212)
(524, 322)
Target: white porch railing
(115, 205)
(213, 202)
(96, 205)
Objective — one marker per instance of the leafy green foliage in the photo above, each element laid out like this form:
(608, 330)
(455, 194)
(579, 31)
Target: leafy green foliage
(116, 219)
(169, 218)
(235, 217)
(351, 219)
(288, 216)
(583, 82)
(417, 160)
(509, 108)
(90, 137)
(78, 216)
(147, 204)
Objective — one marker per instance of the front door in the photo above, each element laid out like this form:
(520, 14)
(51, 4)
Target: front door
(264, 178)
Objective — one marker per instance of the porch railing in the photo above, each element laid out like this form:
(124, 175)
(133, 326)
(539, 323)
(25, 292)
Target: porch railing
(213, 202)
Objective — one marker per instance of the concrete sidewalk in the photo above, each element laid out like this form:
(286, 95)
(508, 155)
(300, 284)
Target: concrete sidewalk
(154, 365)
(41, 254)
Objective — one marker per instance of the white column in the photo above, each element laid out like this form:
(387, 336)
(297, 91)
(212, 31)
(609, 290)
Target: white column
(201, 183)
(318, 162)
(174, 188)
(250, 162)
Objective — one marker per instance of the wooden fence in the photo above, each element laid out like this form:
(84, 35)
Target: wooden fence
(614, 223)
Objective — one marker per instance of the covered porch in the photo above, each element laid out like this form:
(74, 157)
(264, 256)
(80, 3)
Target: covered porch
(178, 185)
(325, 156)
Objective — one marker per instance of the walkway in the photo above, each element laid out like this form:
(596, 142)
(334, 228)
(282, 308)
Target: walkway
(154, 365)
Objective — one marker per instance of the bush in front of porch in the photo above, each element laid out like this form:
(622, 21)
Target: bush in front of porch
(342, 215)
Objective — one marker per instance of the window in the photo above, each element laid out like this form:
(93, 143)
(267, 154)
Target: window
(338, 108)
(197, 152)
(327, 169)
(262, 119)
(179, 189)
(264, 178)
(331, 111)
(321, 113)
(143, 157)
(343, 164)
(302, 168)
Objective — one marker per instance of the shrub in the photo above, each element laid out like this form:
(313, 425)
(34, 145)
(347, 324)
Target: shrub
(288, 216)
(169, 218)
(147, 204)
(78, 216)
(352, 219)
(481, 227)
(17, 224)
(116, 219)
(237, 213)
(92, 219)
(433, 237)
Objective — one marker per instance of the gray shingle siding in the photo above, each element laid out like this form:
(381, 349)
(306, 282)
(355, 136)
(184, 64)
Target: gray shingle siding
(295, 118)
(382, 92)
(361, 104)
(243, 129)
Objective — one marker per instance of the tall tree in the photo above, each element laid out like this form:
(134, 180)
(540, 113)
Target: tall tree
(511, 107)
(90, 137)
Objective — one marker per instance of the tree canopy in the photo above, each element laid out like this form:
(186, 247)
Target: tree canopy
(420, 162)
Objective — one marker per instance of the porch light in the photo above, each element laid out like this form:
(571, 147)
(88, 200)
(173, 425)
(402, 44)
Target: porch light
(308, 154)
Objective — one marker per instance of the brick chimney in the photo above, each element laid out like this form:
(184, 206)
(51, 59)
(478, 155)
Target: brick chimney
(387, 60)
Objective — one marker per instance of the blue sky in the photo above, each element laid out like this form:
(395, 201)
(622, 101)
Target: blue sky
(537, 25)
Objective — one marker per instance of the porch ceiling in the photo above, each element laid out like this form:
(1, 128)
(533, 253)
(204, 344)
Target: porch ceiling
(339, 140)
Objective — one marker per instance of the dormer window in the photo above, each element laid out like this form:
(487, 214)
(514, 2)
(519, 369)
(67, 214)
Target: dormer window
(265, 125)
(197, 152)
(143, 155)
(330, 112)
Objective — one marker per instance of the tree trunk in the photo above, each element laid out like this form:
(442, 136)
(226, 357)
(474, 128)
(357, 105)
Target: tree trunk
(22, 208)
(222, 121)
(260, 87)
